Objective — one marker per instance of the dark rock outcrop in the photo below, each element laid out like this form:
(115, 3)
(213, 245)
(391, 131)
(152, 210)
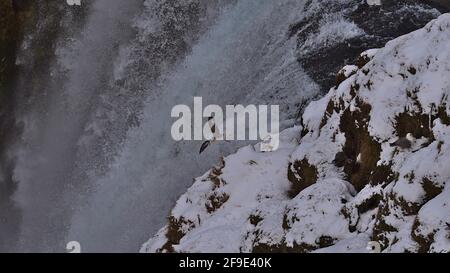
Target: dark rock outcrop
(13, 18)
(379, 24)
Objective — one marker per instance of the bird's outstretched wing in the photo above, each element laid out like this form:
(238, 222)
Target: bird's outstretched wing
(204, 146)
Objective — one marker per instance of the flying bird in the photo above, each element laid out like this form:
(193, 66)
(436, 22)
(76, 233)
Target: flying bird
(216, 133)
(204, 146)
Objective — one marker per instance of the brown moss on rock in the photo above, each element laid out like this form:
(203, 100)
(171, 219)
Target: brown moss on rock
(325, 241)
(381, 229)
(283, 248)
(370, 203)
(423, 241)
(354, 89)
(448, 230)
(175, 233)
(383, 174)
(328, 112)
(286, 225)
(353, 212)
(341, 77)
(335, 107)
(442, 114)
(214, 175)
(362, 60)
(412, 70)
(255, 219)
(301, 174)
(321, 242)
(361, 150)
(431, 189)
(408, 208)
(215, 201)
(414, 123)
(346, 212)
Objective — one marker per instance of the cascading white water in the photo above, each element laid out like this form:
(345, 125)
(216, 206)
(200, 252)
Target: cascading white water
(66, 194)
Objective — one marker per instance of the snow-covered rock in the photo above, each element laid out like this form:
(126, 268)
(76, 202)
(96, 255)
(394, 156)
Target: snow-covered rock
(339, 181)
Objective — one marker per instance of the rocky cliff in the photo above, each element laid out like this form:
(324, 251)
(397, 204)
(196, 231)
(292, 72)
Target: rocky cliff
(368, 163)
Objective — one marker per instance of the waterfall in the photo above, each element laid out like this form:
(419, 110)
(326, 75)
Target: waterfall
(96, 162)
(55, 121)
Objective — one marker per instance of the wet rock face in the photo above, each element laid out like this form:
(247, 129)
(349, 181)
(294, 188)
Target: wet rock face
(302, 175)
(9, 38)
(20, 5)
(13, 17)
(377, 25)
(19, 17)
(443, 5)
